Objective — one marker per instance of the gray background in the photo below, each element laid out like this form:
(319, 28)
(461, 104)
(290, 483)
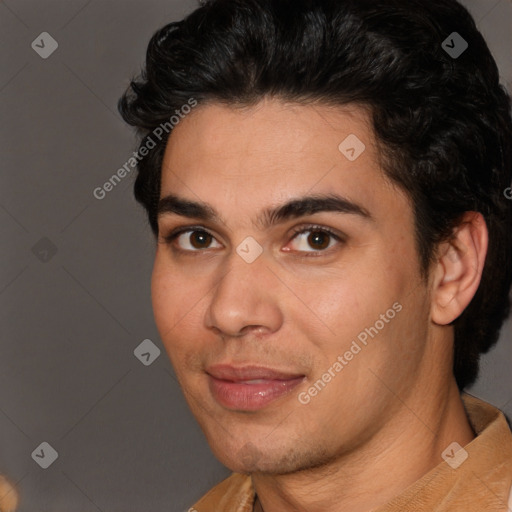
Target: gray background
(71, 319)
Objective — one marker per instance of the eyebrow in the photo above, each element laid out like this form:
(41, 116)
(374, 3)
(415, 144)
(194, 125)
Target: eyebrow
(299, 207)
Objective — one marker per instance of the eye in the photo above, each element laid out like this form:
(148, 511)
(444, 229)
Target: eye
(192, 239)
(319, 238)
(195, 238)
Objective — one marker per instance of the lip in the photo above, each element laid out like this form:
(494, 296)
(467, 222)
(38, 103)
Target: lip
(234, 387)
(248, 372)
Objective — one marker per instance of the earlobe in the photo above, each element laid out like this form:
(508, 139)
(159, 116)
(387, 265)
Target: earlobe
(459, 268)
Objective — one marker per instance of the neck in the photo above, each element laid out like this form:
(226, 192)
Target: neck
(398, 455)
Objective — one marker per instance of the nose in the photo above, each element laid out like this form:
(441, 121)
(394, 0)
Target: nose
(246, 298)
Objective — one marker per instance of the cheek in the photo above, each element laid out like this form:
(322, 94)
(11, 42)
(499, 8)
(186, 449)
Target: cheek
(170, 314)
(348, 306)
(342, 304)
(163, 300)
(171, 307)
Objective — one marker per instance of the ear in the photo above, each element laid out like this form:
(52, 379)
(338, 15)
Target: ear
(459, 268)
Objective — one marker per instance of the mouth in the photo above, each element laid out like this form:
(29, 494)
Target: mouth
(250, 388)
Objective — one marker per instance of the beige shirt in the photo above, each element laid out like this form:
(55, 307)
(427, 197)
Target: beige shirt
(482, 482)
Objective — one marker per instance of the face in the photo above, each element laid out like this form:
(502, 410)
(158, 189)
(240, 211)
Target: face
(287, 327)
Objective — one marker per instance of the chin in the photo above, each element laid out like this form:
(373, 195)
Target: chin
(265, 459)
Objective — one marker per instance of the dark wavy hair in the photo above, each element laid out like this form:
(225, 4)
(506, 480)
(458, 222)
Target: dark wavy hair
(443, 124)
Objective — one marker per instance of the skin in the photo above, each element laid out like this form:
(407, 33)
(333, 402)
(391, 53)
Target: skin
(374, 429)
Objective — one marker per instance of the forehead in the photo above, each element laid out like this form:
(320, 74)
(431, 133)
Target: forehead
(238, 159)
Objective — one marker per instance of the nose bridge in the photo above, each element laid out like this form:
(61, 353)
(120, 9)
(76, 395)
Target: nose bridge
(244, 297)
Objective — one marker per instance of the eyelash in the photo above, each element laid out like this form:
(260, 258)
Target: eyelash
(168, 239)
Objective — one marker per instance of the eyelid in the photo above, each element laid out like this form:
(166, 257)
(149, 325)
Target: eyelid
(183, 229)
(168, 239)
(175, 233)
(315, 227)
(340, 238)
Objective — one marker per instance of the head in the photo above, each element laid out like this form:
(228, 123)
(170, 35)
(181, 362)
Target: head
(414, 279)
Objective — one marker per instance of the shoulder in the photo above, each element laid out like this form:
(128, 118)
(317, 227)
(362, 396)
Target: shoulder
(8, 496)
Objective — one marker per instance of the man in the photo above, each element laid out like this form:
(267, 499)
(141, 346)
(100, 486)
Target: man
(325, 180)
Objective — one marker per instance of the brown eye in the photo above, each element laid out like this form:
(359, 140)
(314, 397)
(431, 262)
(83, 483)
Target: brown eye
(200, 239)
(191, 240)
(318, 240)
(314, 239)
